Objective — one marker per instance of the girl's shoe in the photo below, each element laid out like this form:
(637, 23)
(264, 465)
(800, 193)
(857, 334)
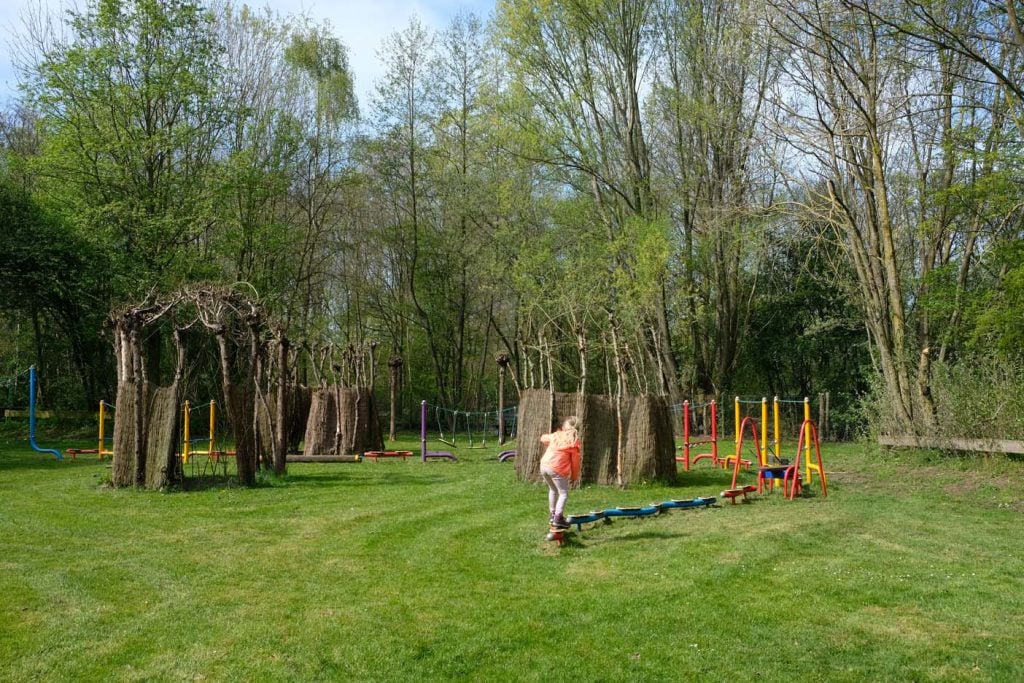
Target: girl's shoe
(561, 522)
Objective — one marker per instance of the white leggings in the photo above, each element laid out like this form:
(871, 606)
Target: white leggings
(558, 490)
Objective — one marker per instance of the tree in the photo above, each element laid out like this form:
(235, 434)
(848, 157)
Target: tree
(713, 169)
(881, 137)
(580, 68)
(131, 121)
(54, 273)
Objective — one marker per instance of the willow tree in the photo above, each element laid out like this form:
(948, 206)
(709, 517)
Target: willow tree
(579, 72)
(712, 169)
(129, 106)
(146, 426)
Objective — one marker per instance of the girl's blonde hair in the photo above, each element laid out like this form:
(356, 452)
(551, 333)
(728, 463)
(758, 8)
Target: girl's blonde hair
(571, 424)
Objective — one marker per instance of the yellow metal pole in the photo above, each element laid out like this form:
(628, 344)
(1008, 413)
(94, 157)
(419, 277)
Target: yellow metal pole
(807, 438)
(99, 446)
(736, 412)
(775, 424)
(213, 422)
(187, 419)
(764, 431)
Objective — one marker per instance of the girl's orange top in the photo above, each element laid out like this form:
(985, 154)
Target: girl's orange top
(562, 455)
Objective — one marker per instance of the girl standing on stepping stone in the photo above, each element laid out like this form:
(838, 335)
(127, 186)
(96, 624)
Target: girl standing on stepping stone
(559, 466)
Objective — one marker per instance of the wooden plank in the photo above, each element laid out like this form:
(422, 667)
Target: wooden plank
(299, 458)
(43, 414)
(954, 444)
(40, 414)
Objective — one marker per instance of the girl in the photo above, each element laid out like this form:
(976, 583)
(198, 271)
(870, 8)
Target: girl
(560, 465)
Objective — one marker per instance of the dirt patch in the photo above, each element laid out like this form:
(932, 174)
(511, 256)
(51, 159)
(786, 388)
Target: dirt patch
(961, 488)
(968, 482)
(851, 478)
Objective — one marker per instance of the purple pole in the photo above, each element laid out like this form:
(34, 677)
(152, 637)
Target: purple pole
(423, 431)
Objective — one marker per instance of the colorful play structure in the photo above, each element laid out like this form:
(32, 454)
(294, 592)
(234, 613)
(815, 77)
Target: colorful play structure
(425, 453)
(793, 482)
(709, 437)
(214, 456)
(102, 449)
(32, 416)
(11, 384)
(606, 516)
(641, 511)
(377, 455)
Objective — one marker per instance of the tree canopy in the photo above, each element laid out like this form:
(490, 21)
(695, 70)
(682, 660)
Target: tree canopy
(693, 199)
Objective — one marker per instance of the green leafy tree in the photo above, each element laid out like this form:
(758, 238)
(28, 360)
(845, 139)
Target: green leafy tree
(54, 274)
(131, 117)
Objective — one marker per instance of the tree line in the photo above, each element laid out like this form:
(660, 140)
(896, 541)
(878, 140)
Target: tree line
(687, 198)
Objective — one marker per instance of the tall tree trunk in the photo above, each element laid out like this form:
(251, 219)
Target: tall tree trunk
(282, 416)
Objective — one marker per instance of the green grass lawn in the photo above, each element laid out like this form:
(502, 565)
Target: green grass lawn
(909, 570)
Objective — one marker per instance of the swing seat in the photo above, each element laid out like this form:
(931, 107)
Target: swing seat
(733, 494)
(772, 473)
(439, 455)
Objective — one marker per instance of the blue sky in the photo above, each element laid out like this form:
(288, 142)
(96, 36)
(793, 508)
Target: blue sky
(362, 24)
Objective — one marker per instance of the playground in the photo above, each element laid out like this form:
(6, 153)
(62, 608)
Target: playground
(904, 571)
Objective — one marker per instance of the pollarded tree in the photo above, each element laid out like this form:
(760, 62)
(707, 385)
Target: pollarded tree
(146, 422)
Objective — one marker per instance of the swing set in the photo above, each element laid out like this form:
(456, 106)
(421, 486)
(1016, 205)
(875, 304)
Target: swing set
(768, 449)
(474, 426)
(767, 473)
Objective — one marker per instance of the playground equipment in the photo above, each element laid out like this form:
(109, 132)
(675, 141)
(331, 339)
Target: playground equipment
(805, 423)
(426, 454)
(473, 425)
(32, 416)
(688, 458)
(101, 449)
(376, 455)
(734, 491)
(792, 483)
(738, 432)
(558, 535)
(769, 449)
(214, 455)
(808, 430)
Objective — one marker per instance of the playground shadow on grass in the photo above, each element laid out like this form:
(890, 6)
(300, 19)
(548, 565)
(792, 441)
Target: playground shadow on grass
(600, 536)
(205, 482)
(37, 461)
(706, 477)
(341, 478)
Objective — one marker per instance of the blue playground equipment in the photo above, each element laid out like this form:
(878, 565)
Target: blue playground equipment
(643, 511)
(32, 416)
